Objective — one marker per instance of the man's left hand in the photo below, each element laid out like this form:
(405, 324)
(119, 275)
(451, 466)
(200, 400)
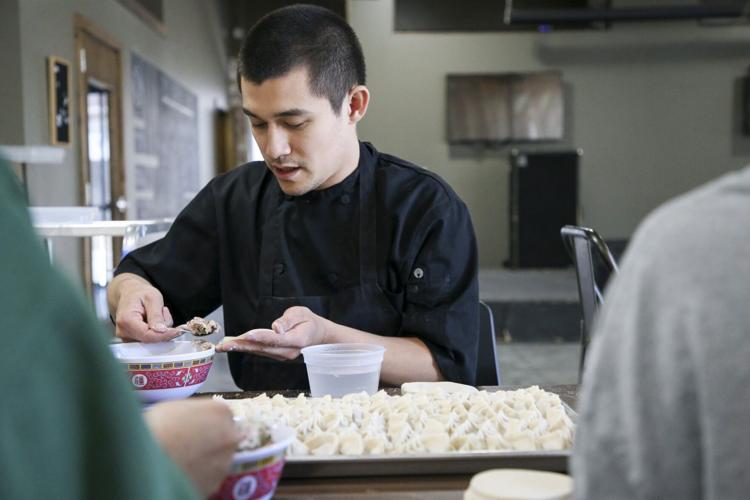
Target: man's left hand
(298, 327)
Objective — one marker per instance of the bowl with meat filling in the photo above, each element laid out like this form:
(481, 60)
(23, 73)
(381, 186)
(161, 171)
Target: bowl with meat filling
(165, 370)
(257, 466)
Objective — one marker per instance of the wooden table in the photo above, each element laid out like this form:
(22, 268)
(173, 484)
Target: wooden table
(427, 486)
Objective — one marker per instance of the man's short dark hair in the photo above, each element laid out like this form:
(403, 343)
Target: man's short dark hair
(304, 36)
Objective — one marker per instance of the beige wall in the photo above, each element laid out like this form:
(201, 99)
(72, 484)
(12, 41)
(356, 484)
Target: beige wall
(11, 124)
(653, 105)
(190, 51)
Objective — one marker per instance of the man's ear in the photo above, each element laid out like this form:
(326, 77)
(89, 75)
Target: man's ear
(358, 100)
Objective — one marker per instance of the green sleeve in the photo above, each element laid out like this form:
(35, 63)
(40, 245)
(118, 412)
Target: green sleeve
(69, 426)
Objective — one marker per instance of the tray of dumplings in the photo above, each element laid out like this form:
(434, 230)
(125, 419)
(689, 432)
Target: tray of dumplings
(425, 428)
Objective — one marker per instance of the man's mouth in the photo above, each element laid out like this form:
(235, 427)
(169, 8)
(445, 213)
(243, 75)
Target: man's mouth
(285, 172)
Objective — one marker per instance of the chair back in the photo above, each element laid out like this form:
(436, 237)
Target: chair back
(488, 366)
(141, 234)
(594, 264)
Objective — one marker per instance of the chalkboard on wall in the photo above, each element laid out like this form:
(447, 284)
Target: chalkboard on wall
(59, 86)
(165, 120)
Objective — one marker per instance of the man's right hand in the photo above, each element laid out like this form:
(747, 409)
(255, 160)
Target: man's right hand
(199, 435)
(138, 310)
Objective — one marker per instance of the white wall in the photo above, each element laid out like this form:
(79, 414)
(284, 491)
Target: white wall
(190, 51)
(653, 105)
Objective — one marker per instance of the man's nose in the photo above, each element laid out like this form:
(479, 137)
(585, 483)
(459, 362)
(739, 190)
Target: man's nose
(277, 144)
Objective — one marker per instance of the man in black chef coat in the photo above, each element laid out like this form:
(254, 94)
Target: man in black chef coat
(326, 241)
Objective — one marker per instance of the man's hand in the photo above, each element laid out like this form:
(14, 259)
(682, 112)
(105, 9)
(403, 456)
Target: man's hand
(138, 310)
(407, 359)
(298, 327)
(199, 435)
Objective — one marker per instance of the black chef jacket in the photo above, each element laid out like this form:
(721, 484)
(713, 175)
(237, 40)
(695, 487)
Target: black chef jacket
(243, 243)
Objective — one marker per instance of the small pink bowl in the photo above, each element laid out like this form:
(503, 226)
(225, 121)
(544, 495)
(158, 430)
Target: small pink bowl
(165, 370)
(254, 474)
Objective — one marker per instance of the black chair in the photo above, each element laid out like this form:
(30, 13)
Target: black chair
(594, 265)
(488, 366)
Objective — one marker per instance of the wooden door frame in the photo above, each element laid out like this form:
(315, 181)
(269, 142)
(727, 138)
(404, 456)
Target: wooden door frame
(117, 157)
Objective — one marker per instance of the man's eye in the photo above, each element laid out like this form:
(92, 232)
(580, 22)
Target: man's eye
(258, 125)
(295, 125)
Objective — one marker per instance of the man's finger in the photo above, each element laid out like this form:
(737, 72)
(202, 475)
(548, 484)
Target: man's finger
(152, 336)
(168, 320)
(266, 337)
(153, 303)
(130, 325)
(239, 345)
(291, 318)
(278, 326)
(270, 338)
(243, 345)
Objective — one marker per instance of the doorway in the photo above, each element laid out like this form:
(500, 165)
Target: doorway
(102, 170)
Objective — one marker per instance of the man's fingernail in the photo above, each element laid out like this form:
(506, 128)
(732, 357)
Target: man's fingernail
(159, 327)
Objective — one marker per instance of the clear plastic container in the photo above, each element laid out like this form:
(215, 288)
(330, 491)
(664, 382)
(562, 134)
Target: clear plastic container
(340, 369)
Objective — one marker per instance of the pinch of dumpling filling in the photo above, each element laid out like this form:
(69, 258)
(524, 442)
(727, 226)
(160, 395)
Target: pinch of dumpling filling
(254, 433)
(201, 327)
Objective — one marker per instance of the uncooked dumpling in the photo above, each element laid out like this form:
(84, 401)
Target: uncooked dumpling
(439, 422)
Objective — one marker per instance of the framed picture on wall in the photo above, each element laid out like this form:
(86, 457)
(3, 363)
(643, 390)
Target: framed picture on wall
(59, 85)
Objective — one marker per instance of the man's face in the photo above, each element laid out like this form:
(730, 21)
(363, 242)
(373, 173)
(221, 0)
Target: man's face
(302, 140)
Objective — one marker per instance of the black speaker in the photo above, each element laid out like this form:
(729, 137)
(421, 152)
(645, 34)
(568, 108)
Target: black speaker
(543, 198)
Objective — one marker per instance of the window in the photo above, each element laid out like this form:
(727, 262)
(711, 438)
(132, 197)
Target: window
(501, 108)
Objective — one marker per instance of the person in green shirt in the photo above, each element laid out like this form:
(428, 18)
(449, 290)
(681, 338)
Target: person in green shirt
(70, 427)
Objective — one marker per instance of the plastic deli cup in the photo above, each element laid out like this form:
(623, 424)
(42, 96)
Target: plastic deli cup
(339, 369)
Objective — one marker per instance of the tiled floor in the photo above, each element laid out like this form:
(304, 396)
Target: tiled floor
(539, 363)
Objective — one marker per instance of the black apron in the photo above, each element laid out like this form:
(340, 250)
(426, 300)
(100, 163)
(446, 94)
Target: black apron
(365, 306)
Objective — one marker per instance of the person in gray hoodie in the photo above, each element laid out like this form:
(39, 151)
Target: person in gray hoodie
(664, 406)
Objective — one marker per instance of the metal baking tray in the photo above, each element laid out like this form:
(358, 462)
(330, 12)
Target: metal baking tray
(432, 464)
(453, 463)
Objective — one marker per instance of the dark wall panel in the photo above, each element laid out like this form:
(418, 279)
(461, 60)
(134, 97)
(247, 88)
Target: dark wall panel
(469, 15)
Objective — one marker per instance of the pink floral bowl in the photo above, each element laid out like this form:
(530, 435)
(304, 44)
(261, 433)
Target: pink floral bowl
(254, 474)
(165, 370)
